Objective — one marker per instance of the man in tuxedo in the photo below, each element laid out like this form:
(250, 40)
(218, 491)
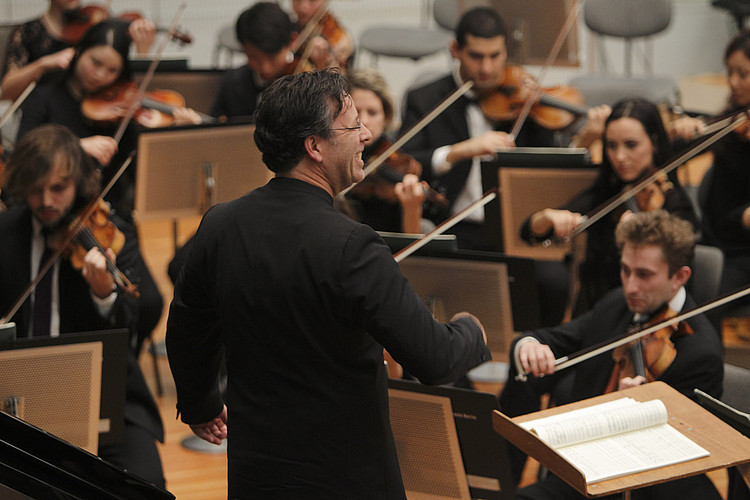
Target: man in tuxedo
(50, 180)
(451, 145)
(301, 300)
(656, 250)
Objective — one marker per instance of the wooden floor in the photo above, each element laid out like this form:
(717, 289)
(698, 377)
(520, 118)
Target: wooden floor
(194, 475)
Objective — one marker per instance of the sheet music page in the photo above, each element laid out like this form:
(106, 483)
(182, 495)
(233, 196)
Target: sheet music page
(631, 452)
(598, 424)
(616, 438)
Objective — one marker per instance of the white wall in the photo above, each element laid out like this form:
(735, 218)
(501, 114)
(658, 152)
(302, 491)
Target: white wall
(692, 45)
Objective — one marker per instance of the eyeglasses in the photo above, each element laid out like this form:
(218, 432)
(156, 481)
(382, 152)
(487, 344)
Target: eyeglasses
(358, 126)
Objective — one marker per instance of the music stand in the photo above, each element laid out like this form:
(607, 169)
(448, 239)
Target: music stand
(530, 180)
(500, 290)
(182, 171)
(115, 348)
(472, 453)
(56, 388)
(726, 446)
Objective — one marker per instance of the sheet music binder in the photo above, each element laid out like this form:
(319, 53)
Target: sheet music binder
(726, 446)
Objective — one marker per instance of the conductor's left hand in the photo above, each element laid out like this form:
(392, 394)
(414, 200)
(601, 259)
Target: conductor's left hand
(213, 431)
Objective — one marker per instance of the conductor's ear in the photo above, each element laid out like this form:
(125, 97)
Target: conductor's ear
(312, 144)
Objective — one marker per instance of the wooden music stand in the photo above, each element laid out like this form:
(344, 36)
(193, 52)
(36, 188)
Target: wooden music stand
(528, 190)
(726, 446)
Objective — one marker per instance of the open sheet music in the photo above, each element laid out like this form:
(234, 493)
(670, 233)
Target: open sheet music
(616, 438)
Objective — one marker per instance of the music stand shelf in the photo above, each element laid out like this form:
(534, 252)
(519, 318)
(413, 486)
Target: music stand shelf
(726, 446)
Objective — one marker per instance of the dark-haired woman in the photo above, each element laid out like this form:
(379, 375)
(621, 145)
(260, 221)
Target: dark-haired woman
(37, 47)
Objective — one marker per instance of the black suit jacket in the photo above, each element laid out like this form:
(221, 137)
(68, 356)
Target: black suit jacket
(448, 128)
(78, 313)
(303, 299)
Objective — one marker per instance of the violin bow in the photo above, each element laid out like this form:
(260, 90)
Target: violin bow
(738, 119)
(534, 95)
(588, 353)
(445, 225)
(17, 103)
(312, 25)
(311, 30)
(76, 228)
(148, 76)
(422, 123)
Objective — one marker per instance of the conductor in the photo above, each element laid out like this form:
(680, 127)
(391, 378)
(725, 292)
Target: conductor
(303, 300)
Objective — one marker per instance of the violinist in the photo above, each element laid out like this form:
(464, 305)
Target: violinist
(656, 249)
(37, 48)
(384, 203)
(332, 46)
(635, 143)
(51, 179)
(450, 146)
(726, 209)
(266, 33)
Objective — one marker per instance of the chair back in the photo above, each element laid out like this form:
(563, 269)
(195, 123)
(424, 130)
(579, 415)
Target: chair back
(736, 384)
(446, 13)
(704, 284)
(627, 18)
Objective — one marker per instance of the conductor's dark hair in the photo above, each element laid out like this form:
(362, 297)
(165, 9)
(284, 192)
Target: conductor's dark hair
(265, 26)
(294, 108)
(481, 22)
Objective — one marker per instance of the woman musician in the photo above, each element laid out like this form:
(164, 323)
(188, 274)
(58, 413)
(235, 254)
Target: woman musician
(38, 47)
(100, 60)
(391, 198)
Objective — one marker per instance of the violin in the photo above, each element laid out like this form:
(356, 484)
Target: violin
(652, 197)
(326, 26)
(555, 108)
(155, 110)
(648, 356)
(392, 171)
(78, 21)
(98, 231)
